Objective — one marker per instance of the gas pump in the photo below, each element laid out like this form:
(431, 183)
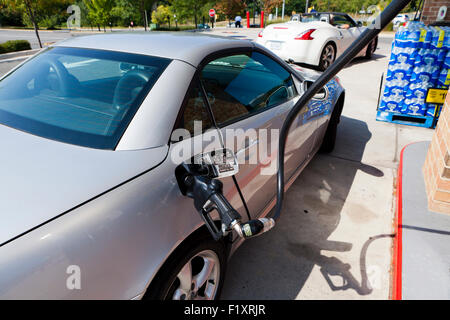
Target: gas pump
(198, 180)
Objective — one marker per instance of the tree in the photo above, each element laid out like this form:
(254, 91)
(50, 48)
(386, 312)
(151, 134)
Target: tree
(268, 5)
(144, 5)
(125, 11)
(99, 11)
(36, 10)
(162, 14)
(190, 8)
(230, 8)
(298, 6)
(10, 16)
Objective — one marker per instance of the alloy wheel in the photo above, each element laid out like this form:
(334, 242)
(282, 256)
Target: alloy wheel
(198, 279)
(328, 56)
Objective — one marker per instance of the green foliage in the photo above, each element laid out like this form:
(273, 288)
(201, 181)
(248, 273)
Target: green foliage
(52, 14)
(14, 45)
(10, 16)
(191, 9)
(297, 6)
(348, 6)
(124, 12)
(50, 22)
(162, 14)
(172, 28)
(99, 11)
(51, 11)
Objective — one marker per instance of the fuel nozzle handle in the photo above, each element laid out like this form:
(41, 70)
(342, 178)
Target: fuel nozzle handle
(232, 220)
(208, 195)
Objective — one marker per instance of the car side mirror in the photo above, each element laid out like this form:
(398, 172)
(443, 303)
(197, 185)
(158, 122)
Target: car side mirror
(221, 163)
(359, 24)
(322, 94)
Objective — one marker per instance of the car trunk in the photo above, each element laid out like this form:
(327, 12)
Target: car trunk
(288, 31)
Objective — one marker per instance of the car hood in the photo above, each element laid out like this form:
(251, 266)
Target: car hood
(41, 179)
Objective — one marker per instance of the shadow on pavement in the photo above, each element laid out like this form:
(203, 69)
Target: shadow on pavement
(360, 60)
(278, 264)
(352, 63)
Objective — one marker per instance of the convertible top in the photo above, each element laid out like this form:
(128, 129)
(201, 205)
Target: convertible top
(189, 47)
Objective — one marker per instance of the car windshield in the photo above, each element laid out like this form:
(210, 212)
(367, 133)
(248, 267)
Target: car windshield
(315, 17)
(79, 96)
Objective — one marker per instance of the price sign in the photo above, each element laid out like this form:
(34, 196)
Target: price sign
(436, 96)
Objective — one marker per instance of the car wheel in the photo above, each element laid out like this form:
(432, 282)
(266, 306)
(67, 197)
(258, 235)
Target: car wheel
(329, 140)
(195, 271)
(327, 57)
(371, 48)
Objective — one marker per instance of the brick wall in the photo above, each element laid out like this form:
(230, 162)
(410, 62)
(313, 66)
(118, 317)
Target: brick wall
(431, 8)
(436, 169)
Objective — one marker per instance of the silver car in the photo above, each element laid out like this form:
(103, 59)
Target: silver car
(92, 131)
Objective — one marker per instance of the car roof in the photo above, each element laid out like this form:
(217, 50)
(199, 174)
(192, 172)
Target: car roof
(191, 47)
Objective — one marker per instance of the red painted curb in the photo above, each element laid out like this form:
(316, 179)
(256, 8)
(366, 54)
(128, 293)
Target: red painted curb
(397, 255)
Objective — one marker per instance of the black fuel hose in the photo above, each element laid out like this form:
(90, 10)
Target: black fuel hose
(388, 14)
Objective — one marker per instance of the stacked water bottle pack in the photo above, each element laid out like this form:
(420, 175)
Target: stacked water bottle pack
(420, 60)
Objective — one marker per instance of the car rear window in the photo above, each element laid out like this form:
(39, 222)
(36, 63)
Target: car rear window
(79, 96)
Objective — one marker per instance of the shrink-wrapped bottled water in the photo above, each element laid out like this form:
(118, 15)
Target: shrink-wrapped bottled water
(420, 60)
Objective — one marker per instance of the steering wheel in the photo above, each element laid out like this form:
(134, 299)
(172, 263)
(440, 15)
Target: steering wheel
(62, 76)
(128, 87)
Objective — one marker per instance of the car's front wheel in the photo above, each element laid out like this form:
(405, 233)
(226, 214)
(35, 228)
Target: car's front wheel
(329, 140)
(195, 272)
(327, 57)
(371, 48)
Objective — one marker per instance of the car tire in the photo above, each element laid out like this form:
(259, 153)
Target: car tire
(329, 140)
(196, 255)
(371, 48)
(327, 56)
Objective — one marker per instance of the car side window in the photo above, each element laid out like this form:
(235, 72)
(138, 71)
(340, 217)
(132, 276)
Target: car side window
(339, 20)
(238, 86)
(196, 111)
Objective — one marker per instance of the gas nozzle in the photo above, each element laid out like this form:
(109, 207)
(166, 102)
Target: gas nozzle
(231, 220)
(254, 228)
(198, 182)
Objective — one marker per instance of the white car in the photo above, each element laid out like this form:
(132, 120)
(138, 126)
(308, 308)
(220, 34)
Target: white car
(400, 19)
(316, 38)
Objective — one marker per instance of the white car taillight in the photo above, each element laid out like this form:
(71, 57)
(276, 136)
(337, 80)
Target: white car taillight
(338, 80)
(305, 35)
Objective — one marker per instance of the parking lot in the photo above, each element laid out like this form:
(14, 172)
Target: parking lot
(334, 239)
